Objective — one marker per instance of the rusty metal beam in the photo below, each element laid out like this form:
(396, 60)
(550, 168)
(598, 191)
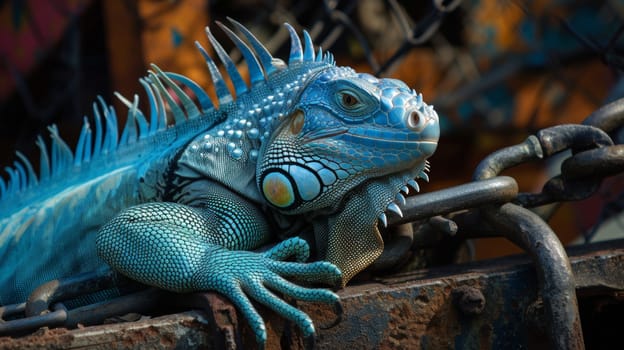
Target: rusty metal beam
(554, 273)
(187, 330)
(492, 304)
(486, 304)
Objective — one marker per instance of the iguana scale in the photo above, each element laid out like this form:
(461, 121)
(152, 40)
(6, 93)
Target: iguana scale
(184, 201)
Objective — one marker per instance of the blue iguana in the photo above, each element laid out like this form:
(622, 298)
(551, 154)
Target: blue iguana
(184, 201)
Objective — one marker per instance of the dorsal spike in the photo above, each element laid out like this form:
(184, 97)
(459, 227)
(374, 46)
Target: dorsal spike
(255, 71)
(21, 173)
(319, 55)
(129, 133)
(111, 116)
(62, 156)
(87, 146)
(3, 188)
(139, 117)
(13, 180)
(107, 140)
(178, 114)
(423, 175)
(162, 111)
(97, 146)
(32, 177)
(54, 153)
(151, 99)
(111, 137)
(44, 159)
(240, 87)
(82, 139)
(269, 63)
(308, 53)
(296, 52)
(223, 93)
(329, 58)
(187, 103)
(160, 119)
(204, 100)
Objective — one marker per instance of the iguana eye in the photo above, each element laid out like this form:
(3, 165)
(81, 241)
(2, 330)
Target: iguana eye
(348, 101)
(352, 102)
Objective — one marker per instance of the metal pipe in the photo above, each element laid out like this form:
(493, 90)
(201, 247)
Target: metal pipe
(555, 277)
(51, 319)
(41, 298)
(499, 189)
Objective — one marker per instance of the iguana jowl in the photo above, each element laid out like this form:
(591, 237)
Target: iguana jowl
(182, 201)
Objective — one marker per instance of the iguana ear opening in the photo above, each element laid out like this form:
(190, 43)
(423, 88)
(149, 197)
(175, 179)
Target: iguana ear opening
(297, 120)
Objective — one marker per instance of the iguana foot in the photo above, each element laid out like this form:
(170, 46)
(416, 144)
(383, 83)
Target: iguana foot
(242, 275)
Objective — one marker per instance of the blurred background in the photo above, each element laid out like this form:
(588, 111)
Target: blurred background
(496, 71)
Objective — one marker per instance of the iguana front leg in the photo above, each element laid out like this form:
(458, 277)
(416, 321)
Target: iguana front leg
(181, 248)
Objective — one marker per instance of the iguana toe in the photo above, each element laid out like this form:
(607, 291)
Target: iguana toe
(292, 247)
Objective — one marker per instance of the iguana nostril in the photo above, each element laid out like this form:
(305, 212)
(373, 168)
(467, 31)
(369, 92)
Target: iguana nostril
(415, 120)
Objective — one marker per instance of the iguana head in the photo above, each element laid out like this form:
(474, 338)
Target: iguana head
(346, 150)
(345, 129)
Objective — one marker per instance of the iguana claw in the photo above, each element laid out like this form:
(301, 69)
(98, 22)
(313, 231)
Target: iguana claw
(309, 342)
(339, 312)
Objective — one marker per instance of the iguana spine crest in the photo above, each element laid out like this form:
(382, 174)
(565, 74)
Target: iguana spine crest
(162, 89)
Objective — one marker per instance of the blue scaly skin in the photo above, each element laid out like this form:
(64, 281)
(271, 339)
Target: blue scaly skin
(183, 202)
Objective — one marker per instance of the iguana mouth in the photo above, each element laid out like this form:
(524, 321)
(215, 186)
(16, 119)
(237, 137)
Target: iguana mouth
(379, 139)
(322, 134)
(366, 139)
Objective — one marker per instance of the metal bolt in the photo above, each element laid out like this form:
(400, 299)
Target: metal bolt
(469, 300)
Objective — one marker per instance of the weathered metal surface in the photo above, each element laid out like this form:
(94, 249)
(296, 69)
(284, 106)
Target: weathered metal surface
(45, 306)
(593, 158)
(609, 117)
(408, 311)
(498, 189)
(599, 162)
(554, 273)
(508, 157)
(525, 229)
(417, 310)
(188, 330)
(42, 298)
